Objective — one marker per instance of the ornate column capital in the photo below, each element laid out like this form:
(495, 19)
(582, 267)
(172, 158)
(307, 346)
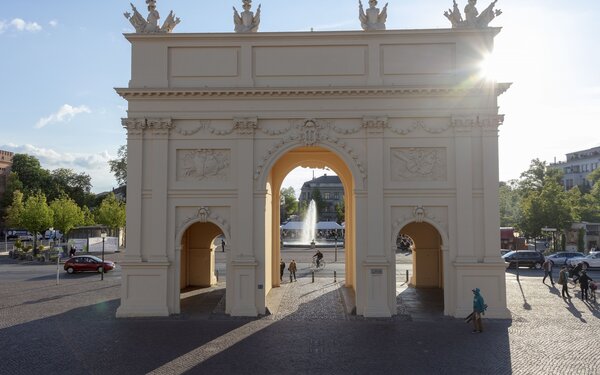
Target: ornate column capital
(245, 125)
(159, 127)
(375, 124)
(134, 126)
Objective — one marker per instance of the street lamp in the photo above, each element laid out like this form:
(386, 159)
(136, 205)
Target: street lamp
(103, 235)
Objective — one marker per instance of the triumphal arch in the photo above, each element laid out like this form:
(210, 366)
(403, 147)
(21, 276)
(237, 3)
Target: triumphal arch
(216, 121)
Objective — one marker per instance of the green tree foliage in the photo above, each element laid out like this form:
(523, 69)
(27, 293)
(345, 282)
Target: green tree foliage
(67, 214)
(290, 203)
(319, 202)
(88, 216)
(76, 186)
(118, 166)
(37, 215)
(31, 174)
(12, 184)
(111, 212)
(340, 209)
(14, 212)
(509, 201)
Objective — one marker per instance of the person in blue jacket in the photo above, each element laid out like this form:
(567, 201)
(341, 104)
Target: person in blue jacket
(479, 307)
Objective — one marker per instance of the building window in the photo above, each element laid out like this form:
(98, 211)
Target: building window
(336, 196)
(327, 196)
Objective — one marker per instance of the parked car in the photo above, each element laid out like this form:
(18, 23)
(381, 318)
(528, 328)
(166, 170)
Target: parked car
(560, 258)
(590, 261)
(504, 251)
(525, 258)
(87, 263)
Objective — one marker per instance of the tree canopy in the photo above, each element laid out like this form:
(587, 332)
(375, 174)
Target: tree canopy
(118, 166)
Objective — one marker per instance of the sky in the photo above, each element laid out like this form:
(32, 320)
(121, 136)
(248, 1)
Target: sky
(61, 61)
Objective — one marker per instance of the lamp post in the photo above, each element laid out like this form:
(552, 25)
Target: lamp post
(103, 235)
(335, 238)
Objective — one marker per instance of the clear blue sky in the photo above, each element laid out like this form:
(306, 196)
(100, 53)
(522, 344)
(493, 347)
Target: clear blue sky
(61, 60)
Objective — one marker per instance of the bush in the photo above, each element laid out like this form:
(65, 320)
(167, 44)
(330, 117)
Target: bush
(18, 244)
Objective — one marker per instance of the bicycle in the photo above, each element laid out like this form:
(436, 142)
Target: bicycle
(314, 267)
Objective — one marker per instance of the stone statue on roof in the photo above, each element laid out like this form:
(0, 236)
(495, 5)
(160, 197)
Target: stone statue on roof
(150, 24)
(247, 21)
(372, 19)
(473, 19)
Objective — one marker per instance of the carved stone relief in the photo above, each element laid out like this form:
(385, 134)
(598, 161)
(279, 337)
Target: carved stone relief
(418, 164)
(204, 164)
(431, 126)
(191, 127)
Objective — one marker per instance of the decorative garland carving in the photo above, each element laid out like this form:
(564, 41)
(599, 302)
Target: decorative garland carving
(416, 124)
(203, 124)
(136, 126)
(278, 131)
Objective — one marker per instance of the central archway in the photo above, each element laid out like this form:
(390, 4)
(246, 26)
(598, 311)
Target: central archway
(309, 157)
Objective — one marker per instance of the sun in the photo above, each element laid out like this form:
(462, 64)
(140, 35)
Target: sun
(488, 67)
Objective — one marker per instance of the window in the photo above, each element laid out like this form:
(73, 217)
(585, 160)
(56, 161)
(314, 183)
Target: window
(327, 196)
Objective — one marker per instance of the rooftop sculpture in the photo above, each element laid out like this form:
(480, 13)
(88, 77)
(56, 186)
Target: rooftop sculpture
(150, 25)
(472, 19)
(372, 19)
(246, 22)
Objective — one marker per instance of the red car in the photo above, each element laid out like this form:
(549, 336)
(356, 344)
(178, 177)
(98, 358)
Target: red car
(83, 263)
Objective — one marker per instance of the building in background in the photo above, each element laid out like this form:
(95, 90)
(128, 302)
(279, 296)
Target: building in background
(332, 193)
(578, 166)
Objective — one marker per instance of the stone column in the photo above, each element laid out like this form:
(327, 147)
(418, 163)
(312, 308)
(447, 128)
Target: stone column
(157, 139)
(135, 147)
(242, 273)
(489, 141)
(376, 265)
(463, 128)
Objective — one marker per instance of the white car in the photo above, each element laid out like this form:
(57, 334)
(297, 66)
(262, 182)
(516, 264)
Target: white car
(590, 261)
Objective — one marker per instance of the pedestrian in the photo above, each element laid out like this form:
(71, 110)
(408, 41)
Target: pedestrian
(292, 268)
(281, 269)
(547, 271)
(222, 245)
(563, 279)
(479, 308)
(584, 283)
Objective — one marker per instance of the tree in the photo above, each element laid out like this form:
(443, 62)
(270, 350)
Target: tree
(320, 203)
(88, 216)
(77, 186)
(290, 203)
(67, 214)
(14, 212)
(509, 201)
(36, 216)
(12, 184)
(340, 209)
(118, 166)
(31, 174)
(111, 212)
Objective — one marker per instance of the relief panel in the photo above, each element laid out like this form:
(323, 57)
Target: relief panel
(203, 165)
(418, 164)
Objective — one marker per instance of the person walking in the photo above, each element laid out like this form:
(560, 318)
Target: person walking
(584, 283)
(563, 279)
(292, 268)
(547, 271)
(222, 245)
(479, 307)
(281, 269)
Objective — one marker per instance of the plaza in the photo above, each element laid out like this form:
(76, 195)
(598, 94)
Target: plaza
(71, 328)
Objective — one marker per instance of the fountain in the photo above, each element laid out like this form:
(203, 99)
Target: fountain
(309, 224)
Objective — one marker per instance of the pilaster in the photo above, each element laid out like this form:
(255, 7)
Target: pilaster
(463, 128)
(157, 139)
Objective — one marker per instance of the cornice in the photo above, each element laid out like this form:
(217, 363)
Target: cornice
(178, 93)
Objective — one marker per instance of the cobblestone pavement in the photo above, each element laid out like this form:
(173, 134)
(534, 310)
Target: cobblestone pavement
(70, 329)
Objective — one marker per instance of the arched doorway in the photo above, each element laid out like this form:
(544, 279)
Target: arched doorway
(311, 157)
(199, 244)
(427, 262)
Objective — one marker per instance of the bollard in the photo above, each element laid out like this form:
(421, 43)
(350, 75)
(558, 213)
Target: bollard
(217, 275)
(406, 275)
(313, 276)
(334, 276)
